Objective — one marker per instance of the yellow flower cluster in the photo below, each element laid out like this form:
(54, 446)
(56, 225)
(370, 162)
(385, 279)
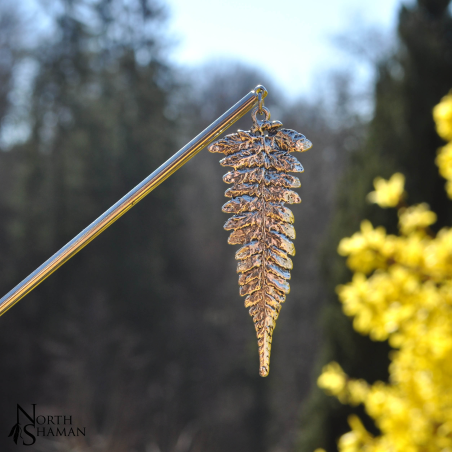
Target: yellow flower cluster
(401, 291)
(443, 118)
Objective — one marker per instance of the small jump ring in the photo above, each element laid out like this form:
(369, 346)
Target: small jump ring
(265, 111)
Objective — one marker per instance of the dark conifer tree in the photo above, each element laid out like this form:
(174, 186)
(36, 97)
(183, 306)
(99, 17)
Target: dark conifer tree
(401, 137)
(97, 129)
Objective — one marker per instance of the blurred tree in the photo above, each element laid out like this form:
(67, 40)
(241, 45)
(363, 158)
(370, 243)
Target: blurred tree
(9, 26)
(238, 397)
(10, 49)
(262, 413)
(401, 137)
(97, 129)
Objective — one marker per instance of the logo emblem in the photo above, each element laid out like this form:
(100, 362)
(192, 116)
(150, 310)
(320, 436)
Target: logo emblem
(17, 431)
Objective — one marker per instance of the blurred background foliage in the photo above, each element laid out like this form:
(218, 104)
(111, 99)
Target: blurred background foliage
(142, 337)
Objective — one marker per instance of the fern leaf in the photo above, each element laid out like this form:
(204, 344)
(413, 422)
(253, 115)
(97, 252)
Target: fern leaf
(261, 224)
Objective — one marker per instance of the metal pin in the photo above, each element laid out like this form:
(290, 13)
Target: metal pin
(181, 157)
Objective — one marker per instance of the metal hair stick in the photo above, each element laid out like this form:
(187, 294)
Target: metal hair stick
(181, 157)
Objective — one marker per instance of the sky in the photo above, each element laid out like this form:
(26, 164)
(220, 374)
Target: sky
(290, 40)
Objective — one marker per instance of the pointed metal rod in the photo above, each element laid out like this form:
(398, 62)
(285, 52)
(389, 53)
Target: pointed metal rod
(130, 199)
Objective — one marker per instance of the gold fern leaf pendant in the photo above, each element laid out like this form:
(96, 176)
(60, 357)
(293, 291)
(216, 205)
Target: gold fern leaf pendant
(261, 160)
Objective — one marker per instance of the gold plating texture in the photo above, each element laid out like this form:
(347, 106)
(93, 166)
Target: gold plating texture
(261, 160)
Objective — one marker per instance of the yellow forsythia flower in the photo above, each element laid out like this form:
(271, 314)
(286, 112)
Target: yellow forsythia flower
(415, 217)
(442, 114)
(363, 248)
(444, 162)
(354, 440)
(388, 193)
(332, 379)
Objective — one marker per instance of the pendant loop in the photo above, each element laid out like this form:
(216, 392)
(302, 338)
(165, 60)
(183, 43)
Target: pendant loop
(261, 89)
(265, 111)
(260, 104)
